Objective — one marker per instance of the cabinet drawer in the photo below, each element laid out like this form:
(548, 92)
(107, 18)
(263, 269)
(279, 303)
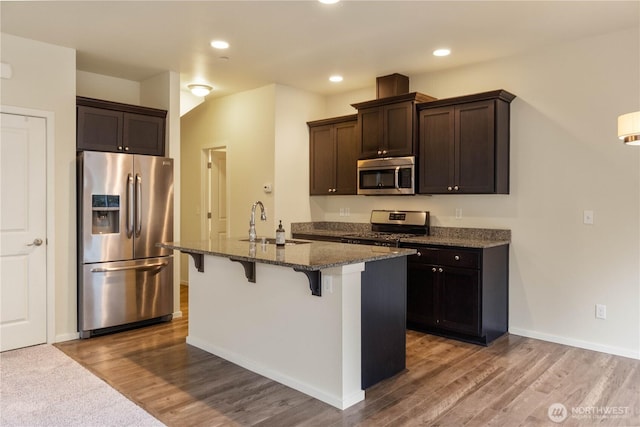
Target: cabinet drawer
(459, 258)
(424, 255)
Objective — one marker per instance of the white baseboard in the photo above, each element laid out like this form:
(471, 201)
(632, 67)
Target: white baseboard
(177, 314)
(618, 351)
(66, 337)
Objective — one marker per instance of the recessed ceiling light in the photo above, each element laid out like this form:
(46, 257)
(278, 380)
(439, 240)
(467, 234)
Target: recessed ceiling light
(335, 78)
(220, 44)
(199, 89)
(329, 1)
(441, 52)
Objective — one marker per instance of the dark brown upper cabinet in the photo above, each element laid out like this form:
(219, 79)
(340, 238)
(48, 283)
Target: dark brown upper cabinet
(116, 127)
(333, 155)
(387, 126)
(464, 144)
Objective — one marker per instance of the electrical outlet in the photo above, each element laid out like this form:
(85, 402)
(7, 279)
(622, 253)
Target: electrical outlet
(327, 284)
(458, 213)
(341, 211)
(347, 212)
(601, 311)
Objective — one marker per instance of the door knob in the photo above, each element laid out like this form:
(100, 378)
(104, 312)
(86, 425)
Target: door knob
(36, 242)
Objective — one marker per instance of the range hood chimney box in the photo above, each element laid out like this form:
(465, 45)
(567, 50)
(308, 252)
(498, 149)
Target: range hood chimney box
(391, 85)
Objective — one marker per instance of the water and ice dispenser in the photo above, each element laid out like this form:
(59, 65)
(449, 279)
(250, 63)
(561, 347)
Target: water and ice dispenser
(105, 218)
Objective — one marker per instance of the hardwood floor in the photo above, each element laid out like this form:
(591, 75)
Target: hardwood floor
(512, 382)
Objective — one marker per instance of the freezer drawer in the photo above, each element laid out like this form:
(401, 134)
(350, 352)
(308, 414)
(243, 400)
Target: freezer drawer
(118, 293)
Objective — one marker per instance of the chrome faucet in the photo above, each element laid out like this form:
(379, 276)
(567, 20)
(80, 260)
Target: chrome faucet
(252, 221)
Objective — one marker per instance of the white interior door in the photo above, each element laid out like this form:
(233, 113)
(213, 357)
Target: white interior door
(217, 211)
(23, 216)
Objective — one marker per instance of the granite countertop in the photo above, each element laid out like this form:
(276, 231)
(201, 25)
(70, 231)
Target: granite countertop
(299, 254)
(441, 236)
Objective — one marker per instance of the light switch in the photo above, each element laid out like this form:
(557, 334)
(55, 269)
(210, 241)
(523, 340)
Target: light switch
(588, 217)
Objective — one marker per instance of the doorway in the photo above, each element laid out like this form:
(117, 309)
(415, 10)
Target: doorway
(215, 200)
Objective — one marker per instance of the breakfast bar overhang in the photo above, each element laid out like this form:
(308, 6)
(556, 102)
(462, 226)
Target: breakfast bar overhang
(330, 333)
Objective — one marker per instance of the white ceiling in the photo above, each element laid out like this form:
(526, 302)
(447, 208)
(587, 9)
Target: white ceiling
(300, 43)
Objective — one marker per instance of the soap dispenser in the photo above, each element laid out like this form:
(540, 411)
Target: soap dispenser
(280, 235)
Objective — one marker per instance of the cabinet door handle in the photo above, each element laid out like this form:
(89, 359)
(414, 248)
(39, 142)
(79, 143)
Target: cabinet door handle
(449, 188)
(418, 253)
(384, 151)
(456, 188)
(379, 152)
(433, 269)
(457, 257)
(440, 270)
(120, 147)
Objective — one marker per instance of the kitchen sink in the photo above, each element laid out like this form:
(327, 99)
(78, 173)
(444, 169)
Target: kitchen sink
(272, 241)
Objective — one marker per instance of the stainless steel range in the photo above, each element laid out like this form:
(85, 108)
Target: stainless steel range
(388, 227)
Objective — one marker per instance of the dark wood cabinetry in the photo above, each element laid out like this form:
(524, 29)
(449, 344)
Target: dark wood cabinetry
(333, 155)
(383, 319)
(387, 126)
(460, 293)
(116, 127)
(464, 144)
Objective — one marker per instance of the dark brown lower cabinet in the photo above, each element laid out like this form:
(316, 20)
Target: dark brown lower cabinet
(459, 293)
(383, 320)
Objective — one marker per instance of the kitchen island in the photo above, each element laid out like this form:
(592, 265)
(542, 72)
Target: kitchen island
(327, 319)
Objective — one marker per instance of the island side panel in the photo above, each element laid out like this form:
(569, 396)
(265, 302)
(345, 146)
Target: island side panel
(276, 328)
(384, 302)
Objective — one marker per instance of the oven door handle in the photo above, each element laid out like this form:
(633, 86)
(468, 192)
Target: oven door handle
(397, 177)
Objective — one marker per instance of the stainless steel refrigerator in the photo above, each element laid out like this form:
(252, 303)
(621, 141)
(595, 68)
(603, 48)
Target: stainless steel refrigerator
(125, 207)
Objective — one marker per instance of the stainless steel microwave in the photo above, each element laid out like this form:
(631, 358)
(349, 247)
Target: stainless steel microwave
(387, 176)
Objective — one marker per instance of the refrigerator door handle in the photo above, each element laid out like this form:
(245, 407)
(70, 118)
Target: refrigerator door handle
(138, 205)
(130, 203)
(133, 267)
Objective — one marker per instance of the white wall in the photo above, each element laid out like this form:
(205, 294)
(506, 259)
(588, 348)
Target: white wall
(293, 109)
(44, 78)
(99, 86)
(244, 123)
(565, 158)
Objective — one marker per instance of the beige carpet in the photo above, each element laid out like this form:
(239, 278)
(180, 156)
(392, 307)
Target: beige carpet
(41, 386)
